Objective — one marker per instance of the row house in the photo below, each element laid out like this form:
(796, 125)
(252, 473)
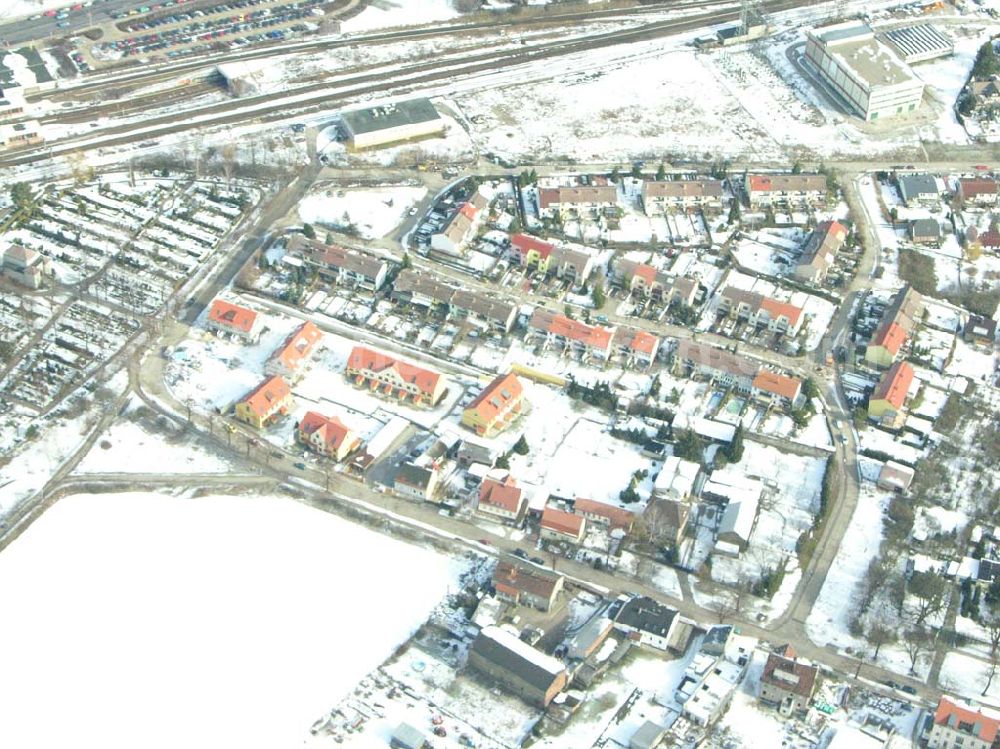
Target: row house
(287, 360)
(646, 280)
(899, 320)
(565, 263)
(716, 364)
(341, 265)
(760, 311)
(785, 189)
(601, 513)
(634, 346)
(391, 377)
(681, 193)
(499, 314)
(327, 435)
(978, 190)
(497, 406)
(565, 201)
(421, 289)
(559, 525)
(501, 500)
(566, 333)
(265, 403)
(777, 390)
(242, 323)
(522, 585)
(820, 251)
(885, 406)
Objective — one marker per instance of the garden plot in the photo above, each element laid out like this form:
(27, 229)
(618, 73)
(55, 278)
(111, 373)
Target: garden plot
(368, 213)
(976, 364)
(770, 252)
(967, 676)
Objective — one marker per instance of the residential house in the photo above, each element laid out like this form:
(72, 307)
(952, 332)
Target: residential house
(498, 313)
(736, 525)
(497, 406)
(287, 360)
(978, 190)
(885, 406)
(981, 330)
(647, 622)
(25, 266)
(340, 265)
(416, 482)
(458, 231)
(634, 346)
(897, 325)
(760, 311)
(647, 736)
(986, 92)
(270, 399)
(240, 322)
(713, 694)
(422, 289)
(559, 525)
(501, 500)
(531, 252)
(601, 513)
(590, 637)
(894, 477)
(571, 335)
(391, 377)
(526, 585)
(715, 364)
(681, 193)
(787, 683)
(777, 390)
(785, 189)
(565, 263)
(526, 671)
(670, 507)
(925, 231)
(918, 189)
(820, 251)
(957, 725)
(568, 201)
(327, 435)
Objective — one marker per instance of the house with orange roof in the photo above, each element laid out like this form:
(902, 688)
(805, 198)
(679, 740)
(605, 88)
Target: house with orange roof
(559, 525)
(777, 390)
(530, 251)
(288, 359)
(526, 585)
(634, 346)
(394, 378)
(327, 435)
(601, 513)
(269, 400)
(497, 406)
(501, 500)
(898, 323)
(957, 724)
(645, 280)
(791, 190)
(458, 231)
(240, 322)
(559, 331)
(885, 406)
(760, 311)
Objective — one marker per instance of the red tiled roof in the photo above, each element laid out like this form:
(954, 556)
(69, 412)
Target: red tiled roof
(331, 429)
(592, 335)
(646, 272)
(895, 384)
(971, 187)
(890, 336)
(990, 239)
(494, 397)
(575, 195)
(232, 315)
(617, 517)
(802, 681)
(776, 309)
(779, 384)
(643, 342)
(362, 357)
(469, 211)
(262, 399)
(298, 346)
(525, 243)
(562, 522)
(951, 714)
(505, 495)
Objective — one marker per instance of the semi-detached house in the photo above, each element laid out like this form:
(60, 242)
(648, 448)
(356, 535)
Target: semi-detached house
(563, 332)
(681, 193)
(496, 407)
(267, 401)
(240, 322)
(288, 359)
(791, 190)
(760, 311)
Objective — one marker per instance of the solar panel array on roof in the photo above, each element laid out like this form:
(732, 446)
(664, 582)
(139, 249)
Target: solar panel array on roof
(919, 43)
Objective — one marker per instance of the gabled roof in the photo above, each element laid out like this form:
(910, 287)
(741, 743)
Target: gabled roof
(511, 578)
(232, 315)
(639, 341)
(895, 384)
(646, 615)
(526, 243)
(970, 187)
(494, 398)
(576, 195)
(560, 521)
(617, 516)
(354, 261)
(682, 188)
(505, 495)
(789, 675)
(411, 475)
(779, 384)
(504, 650)
(364, 358)
(778, 309)
(964, 719)
(24, 255)
(298, 346)
(890, 336)
(331, 430)
(263, 399)
(591, 335)
(787, 183)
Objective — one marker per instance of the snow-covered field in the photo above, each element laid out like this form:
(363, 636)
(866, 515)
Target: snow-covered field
(211, 622)
(373, 213)
(399, 13)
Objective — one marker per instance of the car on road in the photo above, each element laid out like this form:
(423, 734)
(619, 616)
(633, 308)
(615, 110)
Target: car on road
(908, 689)
(62, 24)
(484, 542)
(301, 466)
(520, 553)
(538, 560)
(981, 168)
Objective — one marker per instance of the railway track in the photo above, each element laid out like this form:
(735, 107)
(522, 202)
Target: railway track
(324, 96)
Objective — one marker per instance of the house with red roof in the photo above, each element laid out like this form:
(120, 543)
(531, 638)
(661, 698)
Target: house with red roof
(559, 331)
(501, 500)
(496, 407)
(957, 724)
(266, 402)
(526, 585)
(327, 435)
(885, 406)
(288, 359)
(601, 513)
(530, 251)
(559, 525)
(899, 320)
(791, 190)
(777, 390)
(644, 280)
(760, 311)
(394, 378)
(240, 322)
(787, 683)
(634, 346)
(977, 190)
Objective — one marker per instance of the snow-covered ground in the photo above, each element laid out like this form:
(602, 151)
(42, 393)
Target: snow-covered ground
(373, 213)
(400, 13)
(214, 621)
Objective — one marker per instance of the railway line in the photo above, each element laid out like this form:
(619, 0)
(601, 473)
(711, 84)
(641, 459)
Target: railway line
(324, 96)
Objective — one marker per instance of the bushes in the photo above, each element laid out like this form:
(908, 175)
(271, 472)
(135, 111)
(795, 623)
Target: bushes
(917, 269)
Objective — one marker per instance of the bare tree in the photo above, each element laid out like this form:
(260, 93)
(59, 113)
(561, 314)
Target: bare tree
(929, 589)
(989, 618)
(229, 161)
(916, 641)
(878, 635)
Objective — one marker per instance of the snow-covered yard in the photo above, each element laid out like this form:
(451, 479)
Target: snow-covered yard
(370, 213)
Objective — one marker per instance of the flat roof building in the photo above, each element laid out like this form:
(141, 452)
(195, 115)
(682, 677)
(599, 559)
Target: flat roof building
(391, 123)
(918, 43)
(865, 74)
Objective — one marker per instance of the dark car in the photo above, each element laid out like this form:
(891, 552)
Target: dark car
(301, 466)
(538, 560)
(520, 553)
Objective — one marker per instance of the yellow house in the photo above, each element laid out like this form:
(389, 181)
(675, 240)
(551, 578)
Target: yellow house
(886, 404)
(496, 407)
(269, 399)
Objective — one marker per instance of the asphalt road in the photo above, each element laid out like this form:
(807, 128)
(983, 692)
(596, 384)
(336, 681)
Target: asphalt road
(29, 28)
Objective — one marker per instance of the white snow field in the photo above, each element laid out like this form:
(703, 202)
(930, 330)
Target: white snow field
(146, 620)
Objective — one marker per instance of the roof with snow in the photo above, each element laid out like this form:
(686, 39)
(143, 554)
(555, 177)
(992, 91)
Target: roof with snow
(963, 718)
(386, 116)
(505, 650)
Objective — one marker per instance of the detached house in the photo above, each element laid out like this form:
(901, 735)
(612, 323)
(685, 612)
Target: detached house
(558, 525)
(565, 333)
(787, 683)
(327, 435)
(648, 622)
(760, 311)
(416, 482)
(957, 725)
(241, 322)
(501, 500)
(25, 266)
(270, 399)
(526, 585)
(395, 378)
(681, 193)
(564, 201)
(885, 407)
(777, 390)
(456, 234)
(288, 359)
(918, 188)
(786, 189)
(977, 190)
(496, 407)
(820, 251)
